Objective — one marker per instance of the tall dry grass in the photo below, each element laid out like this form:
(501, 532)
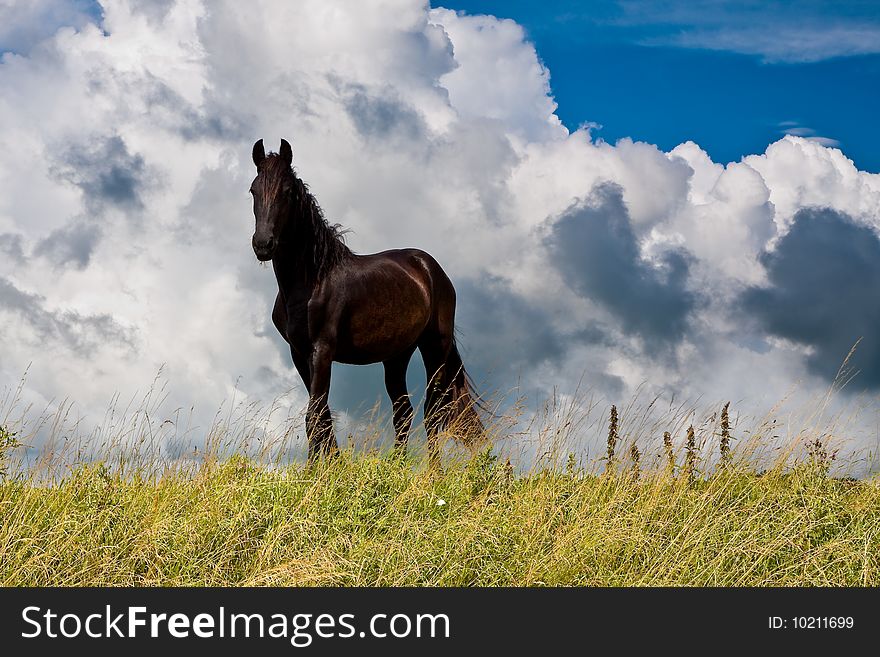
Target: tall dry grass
(675, 498)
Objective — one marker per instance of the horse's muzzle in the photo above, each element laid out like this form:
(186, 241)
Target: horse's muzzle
(264, 249)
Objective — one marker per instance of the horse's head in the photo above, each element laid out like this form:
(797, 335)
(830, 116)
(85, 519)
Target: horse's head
(273, 190)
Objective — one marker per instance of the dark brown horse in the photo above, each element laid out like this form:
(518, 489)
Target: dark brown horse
(334, 305)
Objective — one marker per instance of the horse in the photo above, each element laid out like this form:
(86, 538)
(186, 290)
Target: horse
(335, 305)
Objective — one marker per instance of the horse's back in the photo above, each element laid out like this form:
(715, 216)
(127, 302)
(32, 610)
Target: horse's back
(422, 265)
(441, 293)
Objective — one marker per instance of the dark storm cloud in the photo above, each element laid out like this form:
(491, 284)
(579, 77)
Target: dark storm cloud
(168, 110)
(83, 334)
(214, 122)
(10, 246)
(107, 173)
(381, 116)
(503, 328)
(211, 121)
(503, 336)
(824, 292)
(594, 247)
(357, 389)
(72, 244)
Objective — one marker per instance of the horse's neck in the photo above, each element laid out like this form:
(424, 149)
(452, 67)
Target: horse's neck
(294, 270)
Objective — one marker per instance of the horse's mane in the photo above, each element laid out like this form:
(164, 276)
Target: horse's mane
(328, 247)
(328, 243)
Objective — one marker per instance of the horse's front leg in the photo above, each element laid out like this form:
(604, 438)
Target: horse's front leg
(319, 424)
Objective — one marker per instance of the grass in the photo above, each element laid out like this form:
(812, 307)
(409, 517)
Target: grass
(369, 520)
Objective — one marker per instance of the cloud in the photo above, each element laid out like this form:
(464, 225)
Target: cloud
(169, 108)
(381, 115)
(799, 173)
(777, 31)
(508, 337)
(498, 75)
(106, 173)
(784, 44)
(823, 278)
(154, 10)
(508, 331)
(24, 24)
(71, 245)
(83, 334)
(11, 246)
(809, 134)
(594, 247)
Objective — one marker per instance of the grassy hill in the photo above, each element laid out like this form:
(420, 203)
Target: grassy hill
(370, 520)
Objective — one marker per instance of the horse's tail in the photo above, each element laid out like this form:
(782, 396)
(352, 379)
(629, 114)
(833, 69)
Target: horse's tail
(463, 417)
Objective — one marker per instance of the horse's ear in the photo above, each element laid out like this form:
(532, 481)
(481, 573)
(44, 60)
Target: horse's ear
(259, 153)
(286, 152)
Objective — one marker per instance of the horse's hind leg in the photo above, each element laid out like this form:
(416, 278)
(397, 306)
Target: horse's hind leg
(434, 348)
(395, 384)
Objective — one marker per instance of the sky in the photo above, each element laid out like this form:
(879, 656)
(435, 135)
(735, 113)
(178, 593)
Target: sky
(731, 76)
(633, 199)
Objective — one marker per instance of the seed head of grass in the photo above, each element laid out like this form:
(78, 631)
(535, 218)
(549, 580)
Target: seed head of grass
(612, 439)
(668, 452)
(725, 435)
(690, 459)
(635, 455)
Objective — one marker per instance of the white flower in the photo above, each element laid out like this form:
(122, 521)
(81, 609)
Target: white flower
(441, 502)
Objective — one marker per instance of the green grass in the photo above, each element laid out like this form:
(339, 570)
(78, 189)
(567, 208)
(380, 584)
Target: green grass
(369, 520)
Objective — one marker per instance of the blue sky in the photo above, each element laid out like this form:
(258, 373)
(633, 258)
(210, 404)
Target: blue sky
(732, 77)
